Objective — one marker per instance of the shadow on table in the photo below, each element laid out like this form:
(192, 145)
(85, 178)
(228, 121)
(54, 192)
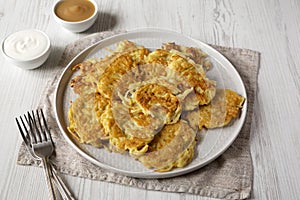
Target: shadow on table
(104, 22)
(51, 64)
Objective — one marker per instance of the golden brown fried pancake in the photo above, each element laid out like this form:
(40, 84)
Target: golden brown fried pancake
(172, 147)
(159, 100)
(194, 75)
(224, 107)
(129, 56)
(220, 112)
(147, 98)
(118, 140)
(84, 125)
(198, 56)
(83, 83)
(99, 106)
(92, 69)
(118, 67)
(147, 114)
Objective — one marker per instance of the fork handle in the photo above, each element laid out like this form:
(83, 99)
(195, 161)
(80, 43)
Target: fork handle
(48, 174)
(62, 188)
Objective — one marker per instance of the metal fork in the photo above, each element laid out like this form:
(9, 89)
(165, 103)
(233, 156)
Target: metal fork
(39, 143)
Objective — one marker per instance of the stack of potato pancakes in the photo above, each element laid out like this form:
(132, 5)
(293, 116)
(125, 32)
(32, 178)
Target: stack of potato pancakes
(150, 104)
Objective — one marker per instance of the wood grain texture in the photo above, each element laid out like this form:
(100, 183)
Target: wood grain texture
(271, 27)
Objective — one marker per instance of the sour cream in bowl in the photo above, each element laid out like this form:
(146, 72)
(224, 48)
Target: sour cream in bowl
(27, 49)
(75, 15)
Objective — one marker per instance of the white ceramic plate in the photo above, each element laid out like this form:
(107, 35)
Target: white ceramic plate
(213, 142)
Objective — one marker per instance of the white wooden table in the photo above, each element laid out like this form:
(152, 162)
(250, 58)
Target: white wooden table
(271, 27)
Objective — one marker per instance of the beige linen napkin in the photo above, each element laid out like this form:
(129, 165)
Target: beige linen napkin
(229, 176)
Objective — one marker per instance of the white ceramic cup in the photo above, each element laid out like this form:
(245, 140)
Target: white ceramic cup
(79, 26)
(30, 62)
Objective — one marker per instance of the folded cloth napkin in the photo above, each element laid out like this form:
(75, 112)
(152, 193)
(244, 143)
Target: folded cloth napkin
(230, 176)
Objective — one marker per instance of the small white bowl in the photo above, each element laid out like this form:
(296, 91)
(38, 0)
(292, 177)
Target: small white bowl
(78, 26)
(35, 60)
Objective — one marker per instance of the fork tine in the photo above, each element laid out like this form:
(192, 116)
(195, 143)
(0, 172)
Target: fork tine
(21, 131)
(47, 132)
(42, 130)
(31, 132)
(38, 119)
(26, 137)
(23, 123)
(35, 126)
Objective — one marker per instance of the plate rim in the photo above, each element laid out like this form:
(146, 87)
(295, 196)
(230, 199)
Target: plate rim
(151, 174)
